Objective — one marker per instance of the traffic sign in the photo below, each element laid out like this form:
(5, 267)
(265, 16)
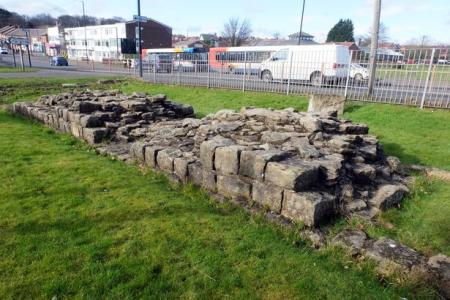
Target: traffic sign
(18, 41)
(140, 18)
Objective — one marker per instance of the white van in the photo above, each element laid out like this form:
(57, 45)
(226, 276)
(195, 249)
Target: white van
(317, 64)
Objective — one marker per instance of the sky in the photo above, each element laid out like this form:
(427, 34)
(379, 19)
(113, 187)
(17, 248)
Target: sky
(405, 19)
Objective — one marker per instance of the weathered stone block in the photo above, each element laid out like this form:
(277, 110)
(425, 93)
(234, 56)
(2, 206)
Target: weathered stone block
(208, 149)
(311, 208)
(227, 159)
(76, 130)
(304, 148)
(150, 154)
(137, 150)
(166, 157)
(253, 163)
(267, 195)
(209, 180)
(233, 187)
(87, 107)
(364, 172)
(195, 173)
(292, 175)
(388, 195)
(94, 135)
(321, 104)
(180, 165)
(330, 167)
(90, 121)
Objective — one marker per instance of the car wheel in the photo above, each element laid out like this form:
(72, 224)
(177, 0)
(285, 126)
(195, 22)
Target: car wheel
(358, 78)
(267, 76)
(316, 79)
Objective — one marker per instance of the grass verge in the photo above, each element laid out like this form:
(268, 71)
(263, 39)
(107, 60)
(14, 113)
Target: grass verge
(4, 69)
(74, 224)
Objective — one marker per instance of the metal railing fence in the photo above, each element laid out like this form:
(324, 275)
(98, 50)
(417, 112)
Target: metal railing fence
(419, 77)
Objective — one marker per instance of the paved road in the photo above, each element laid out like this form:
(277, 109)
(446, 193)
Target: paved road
(392, 91)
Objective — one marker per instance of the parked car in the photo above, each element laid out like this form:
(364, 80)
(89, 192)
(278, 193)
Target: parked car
(359, 73)
(443, 62)
(58, 61)
(317, 64)
(3, 51)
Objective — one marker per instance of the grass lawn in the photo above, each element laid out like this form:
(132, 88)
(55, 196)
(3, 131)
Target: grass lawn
(75, 224)
(4, 69)
(114, 232)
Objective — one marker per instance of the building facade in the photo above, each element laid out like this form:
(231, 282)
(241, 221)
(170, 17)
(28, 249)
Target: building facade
(114, 41)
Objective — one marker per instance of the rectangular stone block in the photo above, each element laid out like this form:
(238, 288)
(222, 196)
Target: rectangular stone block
(90, 121)
(180, 165)
(226, 159)
(253, 163)
(388, 195)
(165, 159)
(293, 175)
(76, 130)
(208, 149)
(137, 150)
(195, 173)
(233, 187)
(150, 153)
(94, 135)
(311, 208)
(209, 180)
(267, 195)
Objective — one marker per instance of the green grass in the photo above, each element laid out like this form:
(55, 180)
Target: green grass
(78, 225)
(415, 136)
(4, 69)
(420, 222)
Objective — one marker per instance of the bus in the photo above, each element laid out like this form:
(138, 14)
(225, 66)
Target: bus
(176, 59)
(240, 60)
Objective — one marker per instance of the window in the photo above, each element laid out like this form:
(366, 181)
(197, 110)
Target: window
(280, 55)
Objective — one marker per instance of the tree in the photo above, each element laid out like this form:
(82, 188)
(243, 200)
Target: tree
(41, 20)
(341, 32)
(236, 31)
(276, 35)
(8, 18)
(112, 20)
(383, 36)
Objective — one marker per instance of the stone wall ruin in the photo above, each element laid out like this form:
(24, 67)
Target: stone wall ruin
(304, 167)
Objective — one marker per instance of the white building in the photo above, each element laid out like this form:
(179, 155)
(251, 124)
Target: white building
(103, 41)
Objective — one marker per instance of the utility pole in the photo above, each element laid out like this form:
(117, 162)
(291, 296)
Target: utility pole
(374, 44)
(85, 34)
(28, 47)
(301, 24)
(139, 37)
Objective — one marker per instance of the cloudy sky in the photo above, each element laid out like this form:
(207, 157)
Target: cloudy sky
(405, 19)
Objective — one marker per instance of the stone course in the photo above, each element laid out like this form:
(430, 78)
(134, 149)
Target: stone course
(305, 167)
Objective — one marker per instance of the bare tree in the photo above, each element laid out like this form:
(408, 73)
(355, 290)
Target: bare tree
(383, 36)
(276, 35)
(236, 31)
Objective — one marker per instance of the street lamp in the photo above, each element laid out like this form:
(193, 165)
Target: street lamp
(85, 34)
(301, 24)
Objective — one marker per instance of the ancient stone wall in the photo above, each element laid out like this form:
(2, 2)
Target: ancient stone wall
(304, 167)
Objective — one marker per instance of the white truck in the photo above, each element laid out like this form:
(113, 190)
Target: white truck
(317, 64)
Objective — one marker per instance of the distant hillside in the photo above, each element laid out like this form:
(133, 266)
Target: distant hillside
(9, 18)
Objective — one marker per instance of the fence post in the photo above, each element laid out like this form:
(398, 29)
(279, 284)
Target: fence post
(430, 66)
(349, 67)
(208, 78)
(179, 68)
(290, 74)
(154, 68)
(245, 71)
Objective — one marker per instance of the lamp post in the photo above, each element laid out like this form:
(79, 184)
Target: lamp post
(139, 42)
(301, 23)
(85, 34)
(374, 45)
